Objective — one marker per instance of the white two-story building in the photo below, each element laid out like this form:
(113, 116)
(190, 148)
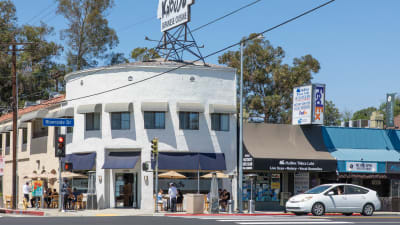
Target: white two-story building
(118, 110)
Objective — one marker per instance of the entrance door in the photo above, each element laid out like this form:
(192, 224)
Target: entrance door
(126, 190)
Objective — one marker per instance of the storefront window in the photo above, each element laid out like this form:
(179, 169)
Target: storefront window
(266, 187)
(126, 190)
(190, 183)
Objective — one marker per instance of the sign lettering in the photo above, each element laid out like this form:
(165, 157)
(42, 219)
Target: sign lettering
(173, 13)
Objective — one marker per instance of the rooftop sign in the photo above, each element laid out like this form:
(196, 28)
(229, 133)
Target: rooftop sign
(173, 13)
(308, 104)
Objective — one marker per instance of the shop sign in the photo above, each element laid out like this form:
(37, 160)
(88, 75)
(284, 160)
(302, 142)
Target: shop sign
(308, 104)
(301, 182)
(247, 162)
(1, 166)
(173, 13)
(361, 167)
(392, 167)
(295, 165)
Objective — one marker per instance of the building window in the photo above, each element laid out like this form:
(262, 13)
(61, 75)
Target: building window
(188, 120)
(38, 129)
(8, 140)
(70, 130)
(120, 121)
(154, 120)
(220, 122)
(24, 135)
(92, 121)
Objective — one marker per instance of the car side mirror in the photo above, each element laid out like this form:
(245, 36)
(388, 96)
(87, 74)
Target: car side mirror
(331, 193)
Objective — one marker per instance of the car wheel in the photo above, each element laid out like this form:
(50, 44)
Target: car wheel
(368, 210)
(318, 209)
(299, 213)
(348, 214)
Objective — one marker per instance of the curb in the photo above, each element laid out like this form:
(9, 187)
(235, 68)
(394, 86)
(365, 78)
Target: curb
(22, 212)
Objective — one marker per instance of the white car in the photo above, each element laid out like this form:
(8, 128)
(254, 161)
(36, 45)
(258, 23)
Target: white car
(338, 198)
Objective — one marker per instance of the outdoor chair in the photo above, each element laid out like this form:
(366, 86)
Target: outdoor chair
(206, 203)
(54, 201)
(9, 203)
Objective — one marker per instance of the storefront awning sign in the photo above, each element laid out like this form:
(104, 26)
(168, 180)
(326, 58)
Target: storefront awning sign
(366, 167)
(294, 165)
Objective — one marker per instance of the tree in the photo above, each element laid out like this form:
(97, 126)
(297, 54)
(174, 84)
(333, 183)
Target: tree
(33, 65)
(116, 58)
(364, 114)
(88, 33)
(346, 115)
(331, 114)
(268, 83)
(144, 54)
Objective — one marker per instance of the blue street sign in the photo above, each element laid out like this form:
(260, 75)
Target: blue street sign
(58, 122)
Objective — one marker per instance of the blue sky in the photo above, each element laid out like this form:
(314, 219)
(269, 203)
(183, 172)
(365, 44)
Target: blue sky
(356, 42)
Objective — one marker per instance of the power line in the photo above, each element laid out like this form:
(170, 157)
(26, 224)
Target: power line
(137, 23)
(207, 56)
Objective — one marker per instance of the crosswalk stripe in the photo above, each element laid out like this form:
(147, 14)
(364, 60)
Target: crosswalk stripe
(295, 222)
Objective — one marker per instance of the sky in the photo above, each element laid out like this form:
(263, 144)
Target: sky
(355, 41)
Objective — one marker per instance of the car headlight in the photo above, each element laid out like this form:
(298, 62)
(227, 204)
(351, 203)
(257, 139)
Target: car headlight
(306, 199)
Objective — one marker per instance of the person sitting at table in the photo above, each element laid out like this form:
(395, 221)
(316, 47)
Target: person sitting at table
(225, 196)
(71, 198)
(47, 196)
(160, 196)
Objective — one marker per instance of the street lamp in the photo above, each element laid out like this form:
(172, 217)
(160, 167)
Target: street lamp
(240, 192)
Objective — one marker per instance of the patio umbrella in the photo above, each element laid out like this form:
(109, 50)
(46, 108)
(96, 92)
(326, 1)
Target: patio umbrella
(219, 175)
(172, 175)
(67, 174)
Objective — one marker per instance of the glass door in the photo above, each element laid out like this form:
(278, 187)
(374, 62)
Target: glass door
(125, 190)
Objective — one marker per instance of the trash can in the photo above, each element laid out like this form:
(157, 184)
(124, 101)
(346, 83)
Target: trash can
(252, 206)
(194, 203)
(231, 204)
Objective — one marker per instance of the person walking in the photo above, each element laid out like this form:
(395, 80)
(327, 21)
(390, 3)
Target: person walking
(172, 192)
(26, 189)
(65, 193)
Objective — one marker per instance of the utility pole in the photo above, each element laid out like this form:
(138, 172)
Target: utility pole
(14, 51)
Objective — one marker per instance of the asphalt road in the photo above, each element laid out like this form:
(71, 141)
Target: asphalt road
(220, 220)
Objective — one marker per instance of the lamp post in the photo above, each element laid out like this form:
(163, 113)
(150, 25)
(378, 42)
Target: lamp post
(240, 191)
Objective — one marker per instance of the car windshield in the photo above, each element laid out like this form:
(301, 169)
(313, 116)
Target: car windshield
(318, 189)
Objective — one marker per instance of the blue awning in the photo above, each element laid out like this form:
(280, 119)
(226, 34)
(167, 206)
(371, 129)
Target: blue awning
(190, 161)
(81, 161)
(121, 160)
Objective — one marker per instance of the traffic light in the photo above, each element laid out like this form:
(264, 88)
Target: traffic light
(154, 146)
(67, 166)
(60, 146)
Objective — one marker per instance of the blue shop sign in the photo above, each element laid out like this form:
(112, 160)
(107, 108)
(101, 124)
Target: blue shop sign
(361, 167)
(393, 167)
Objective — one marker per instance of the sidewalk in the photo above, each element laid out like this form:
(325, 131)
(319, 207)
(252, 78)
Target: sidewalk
(138, 212)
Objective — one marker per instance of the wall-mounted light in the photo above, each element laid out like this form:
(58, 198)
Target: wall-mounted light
(130, 78)
(81, 82)
(100, 178)
(146, 178)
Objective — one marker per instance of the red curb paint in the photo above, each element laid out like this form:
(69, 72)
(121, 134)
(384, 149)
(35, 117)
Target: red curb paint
(23, 212)
(254, 214)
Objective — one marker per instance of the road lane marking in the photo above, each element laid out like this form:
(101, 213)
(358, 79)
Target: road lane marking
(272, 219)
(295, 222)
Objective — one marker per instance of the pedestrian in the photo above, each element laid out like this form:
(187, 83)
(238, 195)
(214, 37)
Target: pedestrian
(65, 193)
(172, 192)
(26, 189)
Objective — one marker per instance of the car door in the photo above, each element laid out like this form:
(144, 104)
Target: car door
(355, 197)
(337, 200)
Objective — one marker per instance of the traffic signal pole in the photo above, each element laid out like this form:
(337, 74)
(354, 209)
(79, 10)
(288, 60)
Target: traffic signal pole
(154, 150)
(60, 199)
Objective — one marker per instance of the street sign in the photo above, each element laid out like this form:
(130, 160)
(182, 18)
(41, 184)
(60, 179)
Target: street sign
(58, 122)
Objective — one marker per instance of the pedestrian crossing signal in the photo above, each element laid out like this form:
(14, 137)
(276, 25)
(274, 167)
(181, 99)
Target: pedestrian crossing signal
(67, 166)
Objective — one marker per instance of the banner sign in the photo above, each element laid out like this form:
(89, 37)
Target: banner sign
(365, 167)
(1, 166)
(318, 103)
(302, 110)
(173, 13)
(390, 101)
(308, 104)
(294, 165)
(37, 188)
(392, 167)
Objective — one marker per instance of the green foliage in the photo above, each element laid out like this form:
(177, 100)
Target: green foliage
(88, 35)
(382, 108)
(346, 115)
(331, 114)
(34, 66)
(268, 83)
(144, 54)
(116, 58)
(363, 114)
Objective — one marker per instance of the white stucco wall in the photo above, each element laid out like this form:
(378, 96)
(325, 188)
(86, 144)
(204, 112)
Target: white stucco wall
(211, 85)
